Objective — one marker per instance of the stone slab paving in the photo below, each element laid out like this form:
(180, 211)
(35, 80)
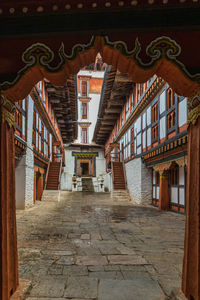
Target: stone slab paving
(86, 246)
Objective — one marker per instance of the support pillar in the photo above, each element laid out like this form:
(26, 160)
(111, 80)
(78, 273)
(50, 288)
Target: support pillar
(191, 262)
(8, 235)
(40, 187)
(163, 191)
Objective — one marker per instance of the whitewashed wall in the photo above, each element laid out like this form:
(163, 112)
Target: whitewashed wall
(93, 106)
(139, 181)
(68, 172)
(182, 112)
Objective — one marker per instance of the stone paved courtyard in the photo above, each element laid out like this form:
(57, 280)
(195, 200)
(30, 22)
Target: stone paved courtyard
(88, 247)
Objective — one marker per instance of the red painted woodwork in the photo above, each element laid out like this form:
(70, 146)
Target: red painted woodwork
(53, 176)
(191, 265)
(164, 68)
(8, 236)
(118, 175)
(164, 192)
(40, 187)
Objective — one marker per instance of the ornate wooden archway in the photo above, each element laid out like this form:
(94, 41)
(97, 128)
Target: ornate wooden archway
(27, 57)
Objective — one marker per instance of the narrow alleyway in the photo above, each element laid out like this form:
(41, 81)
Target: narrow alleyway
(88, 247)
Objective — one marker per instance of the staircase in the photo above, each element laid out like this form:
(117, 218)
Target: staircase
(119, 182)
(120, 196)
(87, 184)
(53, 176)
(51, 196)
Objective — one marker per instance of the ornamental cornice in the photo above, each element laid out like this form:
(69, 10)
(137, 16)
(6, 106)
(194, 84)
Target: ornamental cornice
(161, 168)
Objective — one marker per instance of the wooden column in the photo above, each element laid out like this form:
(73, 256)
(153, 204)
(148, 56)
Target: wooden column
(163, 191)
(191, 262)
(8, 236)
(40, 187)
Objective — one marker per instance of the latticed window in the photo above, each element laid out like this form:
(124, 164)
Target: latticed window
(157, 178)
(154, 132)
(173, 175)
(34, 127)
(155, 112)
(170, 98)
(171, 119)
(84, 136)
(84, 110)
(84, 89)
(42, 139)
(132, 140)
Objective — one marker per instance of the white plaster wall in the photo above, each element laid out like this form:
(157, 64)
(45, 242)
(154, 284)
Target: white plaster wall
(93, 111)
(93, 106)
(20, 184)
(108, 184)
(149, 116)
(100, 164)
(139, 181)
(163, 127)
(144, 120)
(144, 139)
(182, 113)
(162, 102)
(29, 187)
(66, 176)
(148, 136)
(137, 125)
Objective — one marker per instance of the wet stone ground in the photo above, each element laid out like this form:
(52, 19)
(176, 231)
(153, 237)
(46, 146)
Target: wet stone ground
(88, 247)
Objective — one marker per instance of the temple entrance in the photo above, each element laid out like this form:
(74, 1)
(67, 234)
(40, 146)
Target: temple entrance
(38, 67)
(84, 169)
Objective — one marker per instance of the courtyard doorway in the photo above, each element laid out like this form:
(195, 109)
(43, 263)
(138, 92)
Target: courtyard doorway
(7, 134)
(84, 168)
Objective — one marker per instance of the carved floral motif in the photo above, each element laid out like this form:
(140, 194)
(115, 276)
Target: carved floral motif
(7, 109)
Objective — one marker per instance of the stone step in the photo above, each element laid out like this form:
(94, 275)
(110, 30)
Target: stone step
(51, 195)
(120, 195)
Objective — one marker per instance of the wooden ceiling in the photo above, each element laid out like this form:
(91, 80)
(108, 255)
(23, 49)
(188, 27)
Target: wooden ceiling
(64, 102)
(116, 87)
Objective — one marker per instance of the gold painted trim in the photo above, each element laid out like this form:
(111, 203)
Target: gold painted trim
(193, 115)
(163, 176)
(8, 117)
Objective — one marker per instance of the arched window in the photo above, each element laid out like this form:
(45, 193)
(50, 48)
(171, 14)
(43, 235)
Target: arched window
(170, 98)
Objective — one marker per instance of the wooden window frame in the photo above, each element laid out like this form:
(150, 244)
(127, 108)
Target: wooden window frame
(155, 132)
(171, 119)
(84, 110)
(154, 111)
(84, 88)
(170, 98)
(84, 138)
(174, 176)
(156, 185)
(132, 140)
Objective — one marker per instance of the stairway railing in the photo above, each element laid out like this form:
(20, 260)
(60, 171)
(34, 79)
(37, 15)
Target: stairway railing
(47, 173)
(124, 170)
(112, 172)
